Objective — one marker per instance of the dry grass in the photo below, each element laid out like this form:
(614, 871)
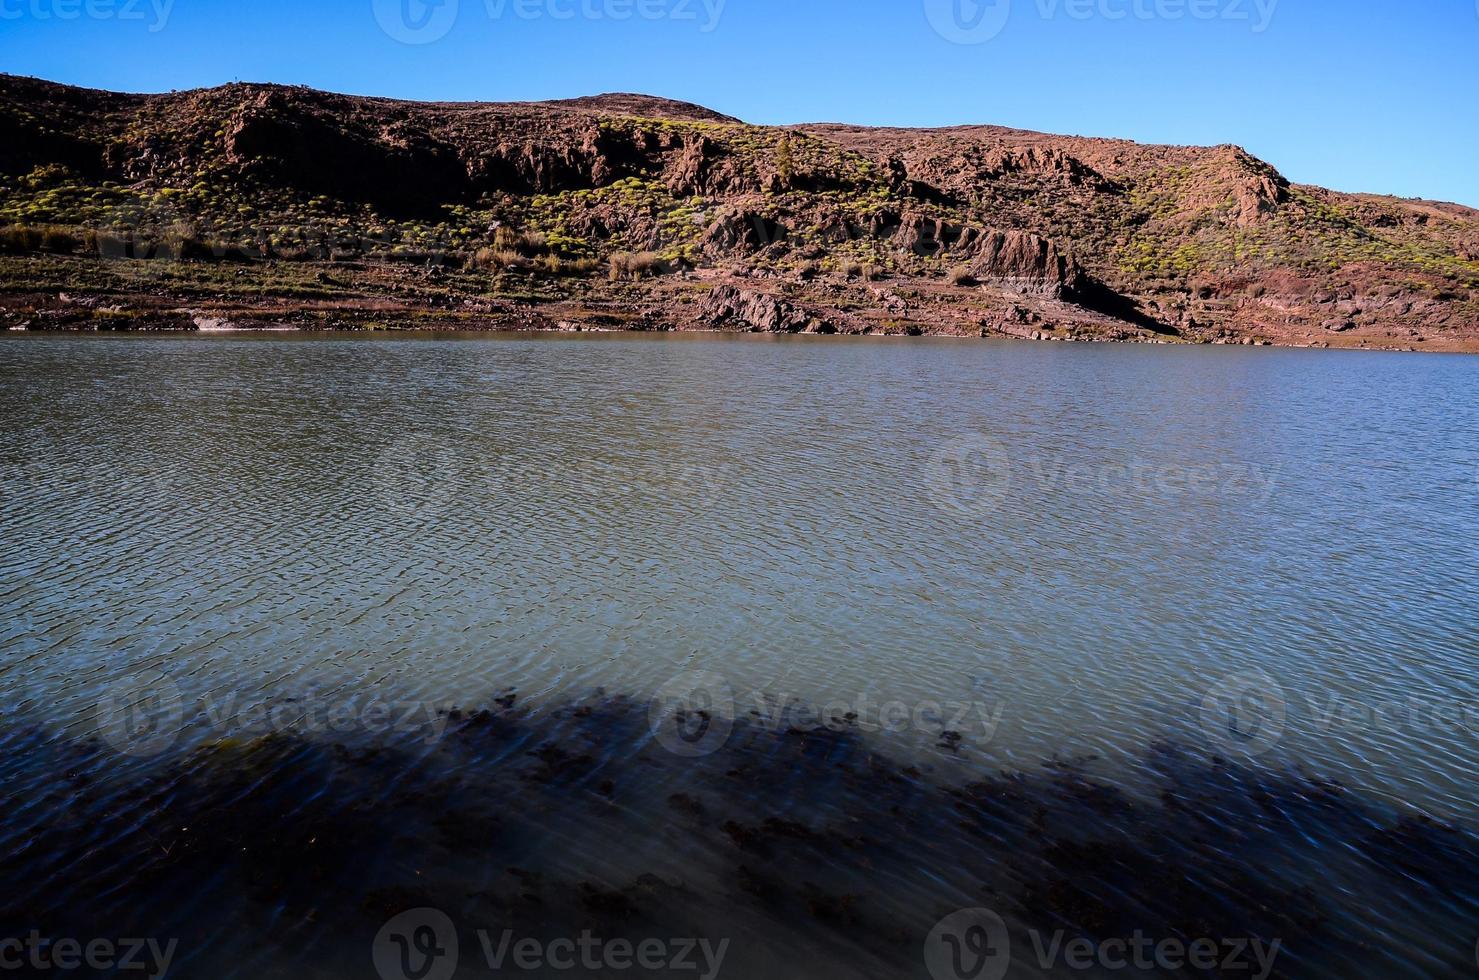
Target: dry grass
(556, 266)
(851, 269)
(530, 244)
(635, 265)
(496, 259)
(22, 238)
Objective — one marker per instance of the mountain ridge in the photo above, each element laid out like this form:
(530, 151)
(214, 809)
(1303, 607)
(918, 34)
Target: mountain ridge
(508, 214)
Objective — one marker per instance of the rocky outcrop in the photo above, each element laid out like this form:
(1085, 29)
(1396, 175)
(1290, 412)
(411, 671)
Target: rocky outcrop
(1258, 196)
(1238, 187)
(688, 173)
(702, 166)
(1043, 161)
(962, 174)
(1026, 263)
(742, 232)
(925, 235)
(399, 168)
(1033, 266)
(1017, 260)
(758, 312)
(614, 155)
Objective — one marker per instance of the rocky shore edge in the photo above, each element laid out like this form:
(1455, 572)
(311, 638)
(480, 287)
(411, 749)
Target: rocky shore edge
(690, 305)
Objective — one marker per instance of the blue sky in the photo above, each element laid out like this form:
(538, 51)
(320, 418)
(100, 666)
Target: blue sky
(1361, 95)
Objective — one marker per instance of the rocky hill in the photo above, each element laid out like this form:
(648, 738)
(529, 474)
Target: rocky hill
(261, 204)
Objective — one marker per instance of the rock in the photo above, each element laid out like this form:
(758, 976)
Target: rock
(1041, 161)
(212, 324)
(705, 167)
(742, 232)
(890, 300)
(1026, 263)
(923, 235)
(755, 310)
(686, 175)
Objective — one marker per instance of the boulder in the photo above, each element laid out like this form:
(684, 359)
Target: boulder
(1026, 263)
(742, 232)
(755, 311)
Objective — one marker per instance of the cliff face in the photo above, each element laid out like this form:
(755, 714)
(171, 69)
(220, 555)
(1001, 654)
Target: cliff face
(974, 229)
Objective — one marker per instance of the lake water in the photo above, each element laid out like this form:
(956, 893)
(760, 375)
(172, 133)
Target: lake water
(798, 644)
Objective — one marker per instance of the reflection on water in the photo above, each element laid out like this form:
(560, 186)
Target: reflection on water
(300, 634)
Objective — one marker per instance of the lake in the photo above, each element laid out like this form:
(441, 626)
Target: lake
(797, 645)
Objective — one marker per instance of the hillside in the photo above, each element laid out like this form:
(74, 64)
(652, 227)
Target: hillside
(260, 204)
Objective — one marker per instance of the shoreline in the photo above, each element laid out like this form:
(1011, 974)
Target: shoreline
(79, 296)
(484, 328)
